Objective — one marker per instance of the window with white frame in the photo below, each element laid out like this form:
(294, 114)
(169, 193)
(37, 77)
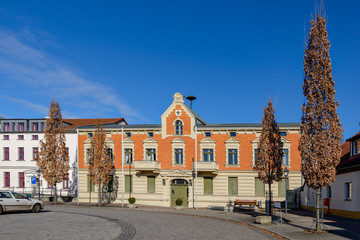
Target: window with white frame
(285, 157)
(347, 191)
(207, 146)
(128, 146)
(355, 147)
(208, 155)
(232, 156)
(87, 156)
(179, 156)
(150, 149)
(178, 127)
(178, 153)
(150, 154)
(128, 155)
(232, 152)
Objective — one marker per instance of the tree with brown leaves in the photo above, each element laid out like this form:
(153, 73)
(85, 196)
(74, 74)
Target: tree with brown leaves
(269, 151)
(321, 129)
(53, 159)
(100, 163)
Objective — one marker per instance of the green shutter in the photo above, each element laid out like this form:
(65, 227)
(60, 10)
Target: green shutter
(233, 186)
(208, 185)
(90, 185)
(151, 184)
(281, 187)
(128, 184)
(259, 188)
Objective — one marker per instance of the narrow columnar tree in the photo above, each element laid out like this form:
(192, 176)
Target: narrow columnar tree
(269, 152)
(100, 163)
(321, 130)
(53, 158)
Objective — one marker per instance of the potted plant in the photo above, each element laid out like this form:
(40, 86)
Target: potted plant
(178, 204)
(131, 201)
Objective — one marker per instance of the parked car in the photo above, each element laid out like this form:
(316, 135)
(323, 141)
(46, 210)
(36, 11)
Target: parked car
(12, 201)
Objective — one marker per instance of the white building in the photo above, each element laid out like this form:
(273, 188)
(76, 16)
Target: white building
(20, 142)
(344, 193)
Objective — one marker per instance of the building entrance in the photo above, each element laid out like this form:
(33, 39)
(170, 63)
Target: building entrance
(179, 189)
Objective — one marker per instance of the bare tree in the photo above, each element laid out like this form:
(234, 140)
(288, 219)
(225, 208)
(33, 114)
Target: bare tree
(321, 129)
(100, 163)
(53, 158)
(269, 152)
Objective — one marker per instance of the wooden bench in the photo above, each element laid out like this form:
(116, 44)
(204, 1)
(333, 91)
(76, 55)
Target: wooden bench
(251, 203)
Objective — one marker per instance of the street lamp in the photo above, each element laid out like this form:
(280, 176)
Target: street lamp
(38, 172)
(286, 174)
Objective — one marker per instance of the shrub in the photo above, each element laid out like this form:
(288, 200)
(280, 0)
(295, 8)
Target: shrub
(178, 202)
(132, 200)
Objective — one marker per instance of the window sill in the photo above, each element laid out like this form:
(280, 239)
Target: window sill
(6, 160)
(178, 165)
(232, 165)
(348, 199)
(20, 160)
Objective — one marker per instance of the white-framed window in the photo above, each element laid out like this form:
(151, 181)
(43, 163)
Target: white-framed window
(232, 152)
(232, 156)
(285, 157)
(355, 148)
(348, 189)
(87, 155)
(150, 149)
(111, 154)
(178, 127)
(208, 155)
(128, 155)
(150, 154)
(207, 147)
(178, 151)
(286, 160)
(179, 156)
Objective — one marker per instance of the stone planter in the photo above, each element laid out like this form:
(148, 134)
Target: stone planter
(130, 205)
(263, 219)
(179, 208)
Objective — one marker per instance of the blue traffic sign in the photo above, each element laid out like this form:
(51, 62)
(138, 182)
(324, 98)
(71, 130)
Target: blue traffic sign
(33, 180)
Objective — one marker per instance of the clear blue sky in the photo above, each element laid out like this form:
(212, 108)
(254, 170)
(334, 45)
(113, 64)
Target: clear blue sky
(128, 58)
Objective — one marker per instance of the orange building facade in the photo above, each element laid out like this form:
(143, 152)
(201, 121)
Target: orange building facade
(186, 158)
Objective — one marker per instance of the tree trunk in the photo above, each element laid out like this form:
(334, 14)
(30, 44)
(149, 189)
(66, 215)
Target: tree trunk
(55, 198)
(270, 198)
(318, 209)
(90, 195)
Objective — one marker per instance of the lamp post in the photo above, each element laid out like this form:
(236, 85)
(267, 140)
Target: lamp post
(38, 172)
(286, 174)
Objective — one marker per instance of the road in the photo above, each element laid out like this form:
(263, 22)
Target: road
(73, 222)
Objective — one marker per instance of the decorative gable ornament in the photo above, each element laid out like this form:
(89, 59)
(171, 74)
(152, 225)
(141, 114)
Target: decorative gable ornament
(178, 113)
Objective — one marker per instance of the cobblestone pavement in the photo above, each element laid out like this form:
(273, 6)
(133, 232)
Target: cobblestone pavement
(88, 222)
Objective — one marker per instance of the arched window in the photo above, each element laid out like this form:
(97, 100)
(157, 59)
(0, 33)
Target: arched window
(178, 128)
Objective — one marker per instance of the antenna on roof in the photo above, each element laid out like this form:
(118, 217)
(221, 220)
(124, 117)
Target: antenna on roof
(191, 99)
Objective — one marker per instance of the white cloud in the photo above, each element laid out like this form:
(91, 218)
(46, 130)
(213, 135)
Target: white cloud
(22, 63)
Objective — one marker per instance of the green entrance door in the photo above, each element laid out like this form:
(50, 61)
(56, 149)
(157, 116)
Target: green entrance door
(179, 189)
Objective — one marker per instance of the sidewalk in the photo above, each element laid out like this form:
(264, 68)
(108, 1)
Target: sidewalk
(296, 221)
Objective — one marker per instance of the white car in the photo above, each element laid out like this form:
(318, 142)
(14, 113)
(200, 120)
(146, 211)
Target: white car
(12, 201)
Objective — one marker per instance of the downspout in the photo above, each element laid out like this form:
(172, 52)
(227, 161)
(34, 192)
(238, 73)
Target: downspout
(77, 172)
(122, 166)
(196, 180)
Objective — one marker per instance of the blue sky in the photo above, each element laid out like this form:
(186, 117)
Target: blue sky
(128, 58)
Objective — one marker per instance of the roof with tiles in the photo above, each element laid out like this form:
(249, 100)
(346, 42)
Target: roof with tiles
(348, 163)
(74, 123)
